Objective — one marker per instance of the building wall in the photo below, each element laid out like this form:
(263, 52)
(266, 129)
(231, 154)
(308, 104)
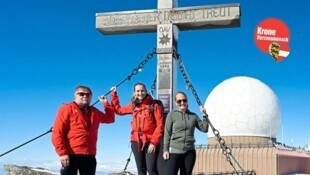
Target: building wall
(261, 160)
(252, 154)
(289, 164)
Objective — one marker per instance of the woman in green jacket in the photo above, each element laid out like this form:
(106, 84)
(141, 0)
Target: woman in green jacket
(179, 139)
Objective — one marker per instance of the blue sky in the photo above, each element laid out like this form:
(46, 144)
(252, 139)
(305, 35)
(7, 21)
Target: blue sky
(49, 47)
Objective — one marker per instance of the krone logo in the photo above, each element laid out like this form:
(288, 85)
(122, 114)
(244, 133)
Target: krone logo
(272, 36)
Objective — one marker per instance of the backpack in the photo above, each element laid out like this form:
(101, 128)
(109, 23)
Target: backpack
(161, 104)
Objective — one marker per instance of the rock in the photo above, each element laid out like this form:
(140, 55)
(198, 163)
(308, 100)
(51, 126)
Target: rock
(25, 170)
(122, 173)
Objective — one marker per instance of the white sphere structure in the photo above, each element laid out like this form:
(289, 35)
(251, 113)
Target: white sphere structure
(243, 106)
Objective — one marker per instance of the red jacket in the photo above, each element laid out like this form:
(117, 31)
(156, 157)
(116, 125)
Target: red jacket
(147, 118)
(72, 135)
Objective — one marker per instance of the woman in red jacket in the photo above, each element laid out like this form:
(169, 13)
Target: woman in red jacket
(75, 132)
(146, 125)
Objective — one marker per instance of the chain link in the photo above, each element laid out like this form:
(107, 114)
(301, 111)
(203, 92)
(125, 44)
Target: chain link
(135, 71)
(229, 173)
(141, 64)
(153, 87)
(186, 78)
(225, 149)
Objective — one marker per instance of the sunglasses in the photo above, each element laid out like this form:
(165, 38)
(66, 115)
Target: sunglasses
(82, 94)
(181, 100)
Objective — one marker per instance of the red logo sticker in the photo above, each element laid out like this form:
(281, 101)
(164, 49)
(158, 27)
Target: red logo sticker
(272, 36)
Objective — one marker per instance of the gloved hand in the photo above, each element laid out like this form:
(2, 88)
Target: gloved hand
(113, 89)
(203, 111)
(103, 99)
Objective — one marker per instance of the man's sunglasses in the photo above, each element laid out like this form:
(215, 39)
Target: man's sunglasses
(82, 94)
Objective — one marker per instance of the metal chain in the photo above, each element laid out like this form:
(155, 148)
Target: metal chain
(186, 78)
(128, 160)
(228, 173)
(50, 130)
(153, 87)
(226, 150)
(134, 71)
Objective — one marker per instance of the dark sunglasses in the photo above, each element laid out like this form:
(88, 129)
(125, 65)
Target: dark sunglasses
(181, 100)
(82, 94)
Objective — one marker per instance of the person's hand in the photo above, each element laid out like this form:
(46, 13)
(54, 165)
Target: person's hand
(64, 160)
(203, 111)
(166, 155)
(151, 148)
(113, 89)
(103, 99)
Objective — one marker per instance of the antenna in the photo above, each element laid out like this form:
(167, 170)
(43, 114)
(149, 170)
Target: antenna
(282, 136)
(270, 141)
(270, 129)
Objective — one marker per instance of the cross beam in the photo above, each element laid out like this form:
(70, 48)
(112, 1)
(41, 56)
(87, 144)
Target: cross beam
(167, 21)
(188, 18)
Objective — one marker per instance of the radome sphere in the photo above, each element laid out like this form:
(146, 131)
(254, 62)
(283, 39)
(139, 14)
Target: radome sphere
(243, 106)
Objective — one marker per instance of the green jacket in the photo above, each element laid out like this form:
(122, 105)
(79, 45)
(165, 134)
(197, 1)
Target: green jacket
(179, 131)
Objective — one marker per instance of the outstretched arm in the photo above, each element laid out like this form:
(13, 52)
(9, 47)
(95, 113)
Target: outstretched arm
(118, 109)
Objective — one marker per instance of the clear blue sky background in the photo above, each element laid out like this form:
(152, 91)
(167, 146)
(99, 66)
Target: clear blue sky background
(49, 47)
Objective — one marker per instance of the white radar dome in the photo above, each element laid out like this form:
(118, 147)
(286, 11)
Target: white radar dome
(243, 106)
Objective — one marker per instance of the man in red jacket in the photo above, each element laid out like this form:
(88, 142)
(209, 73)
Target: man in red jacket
(75, 132)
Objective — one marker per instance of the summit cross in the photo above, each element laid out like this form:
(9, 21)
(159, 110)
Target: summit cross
(167, 21)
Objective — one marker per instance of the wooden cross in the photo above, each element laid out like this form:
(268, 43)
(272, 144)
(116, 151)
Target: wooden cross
(167, 21)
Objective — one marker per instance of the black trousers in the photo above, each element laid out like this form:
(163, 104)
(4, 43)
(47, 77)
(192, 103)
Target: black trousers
(146, 162)
(183, 162)
(84, 164)
(161, 163)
